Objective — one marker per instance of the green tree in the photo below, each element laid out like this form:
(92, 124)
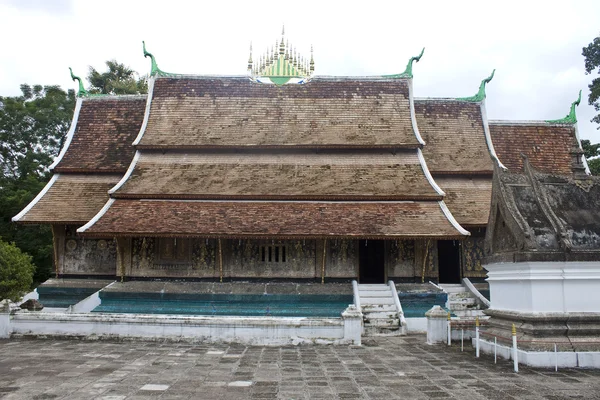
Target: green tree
(16, 271)
(33, 127)
(592, 63)
(591, 53)
(118, 79)
(592, 154)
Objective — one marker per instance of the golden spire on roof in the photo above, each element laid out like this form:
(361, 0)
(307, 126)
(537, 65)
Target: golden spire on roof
(281, 63)
(250, 58)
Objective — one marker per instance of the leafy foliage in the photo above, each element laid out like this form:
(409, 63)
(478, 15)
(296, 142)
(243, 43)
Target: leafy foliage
(16, 271)
(592, 62)
(33, 127)
(119, 79)
(32, 130)
(592, 154)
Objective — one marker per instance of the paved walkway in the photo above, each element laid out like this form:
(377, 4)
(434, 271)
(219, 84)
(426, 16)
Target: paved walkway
(384, 368)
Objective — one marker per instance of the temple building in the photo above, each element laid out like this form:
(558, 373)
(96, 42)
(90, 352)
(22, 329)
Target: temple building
(283, 174)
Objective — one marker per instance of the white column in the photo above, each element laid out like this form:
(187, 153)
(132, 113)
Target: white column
(437, 322)
(353, 320)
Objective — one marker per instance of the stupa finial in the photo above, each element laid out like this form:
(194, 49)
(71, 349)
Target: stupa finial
(250, 59)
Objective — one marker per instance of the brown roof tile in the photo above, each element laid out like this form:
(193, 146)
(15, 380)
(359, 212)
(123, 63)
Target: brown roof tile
(106, 128)
(274, 219)
(220, 111)
(454, 136)
(467, 198)
(547, 146)
(72, 198)
(375, 175)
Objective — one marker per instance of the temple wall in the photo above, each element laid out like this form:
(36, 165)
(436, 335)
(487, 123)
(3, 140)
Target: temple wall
(400, 259)
(270, 258)
(173, 257)
(426, 260)
(78, 256)
(472, 256)
(341, 259)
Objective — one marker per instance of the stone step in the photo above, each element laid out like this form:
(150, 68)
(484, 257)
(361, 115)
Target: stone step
(366, 308)
(376, 300)
(382, 322)
(381, 314)
(373, 287)
(468, 313)
(382, 331)
(453, 288)
(462, 300)
(374, 293)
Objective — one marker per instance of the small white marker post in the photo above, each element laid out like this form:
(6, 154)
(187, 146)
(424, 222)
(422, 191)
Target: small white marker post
(495, 350)
(555, 358)
(477, 336)
(462, 340)
(515, 355)
(449, 330)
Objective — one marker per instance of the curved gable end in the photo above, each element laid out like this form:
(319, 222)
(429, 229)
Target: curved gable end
(454, 134)
(549, 147)
(105, 130)
(97, 150)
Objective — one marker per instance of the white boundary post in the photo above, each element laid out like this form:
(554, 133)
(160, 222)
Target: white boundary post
(462, 340)
(515, 354)
(555, 358)
(495, 350)
(449, 330)
(477, 336)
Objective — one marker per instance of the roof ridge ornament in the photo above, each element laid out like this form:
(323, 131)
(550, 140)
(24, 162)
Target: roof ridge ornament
(571, 117)
(281, 64)
(480, 96)
(408, 71)
(154, 70)
(81, 92)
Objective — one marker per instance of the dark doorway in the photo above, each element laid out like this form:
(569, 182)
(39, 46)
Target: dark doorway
(371, 259)
(449, 261)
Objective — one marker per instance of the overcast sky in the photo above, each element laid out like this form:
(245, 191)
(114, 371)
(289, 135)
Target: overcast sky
(535, 46)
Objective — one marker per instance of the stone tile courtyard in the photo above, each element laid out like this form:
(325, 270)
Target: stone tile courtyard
(384, 368)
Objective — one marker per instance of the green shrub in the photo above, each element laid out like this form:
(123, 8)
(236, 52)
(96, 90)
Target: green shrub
(16, 271)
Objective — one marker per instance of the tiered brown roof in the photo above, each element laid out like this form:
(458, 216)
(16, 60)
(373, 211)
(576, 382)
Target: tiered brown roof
(106, 128)
(197, 112)
(96, 157)
(72, 199)
(547, 146)
(373, 175)
(239, 219)
(468, 198)
(454, 135)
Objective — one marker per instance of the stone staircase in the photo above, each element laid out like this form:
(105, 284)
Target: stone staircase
(380, 314)
(460, 301)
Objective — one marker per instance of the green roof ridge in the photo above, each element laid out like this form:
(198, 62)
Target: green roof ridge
(81, 92)
(571, 117)
(408, 71)
(481, 93)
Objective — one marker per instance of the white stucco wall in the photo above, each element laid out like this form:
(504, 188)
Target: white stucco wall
(545, 286)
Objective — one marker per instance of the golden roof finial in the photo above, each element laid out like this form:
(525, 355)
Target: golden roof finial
(312, 60)
(281, 62)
